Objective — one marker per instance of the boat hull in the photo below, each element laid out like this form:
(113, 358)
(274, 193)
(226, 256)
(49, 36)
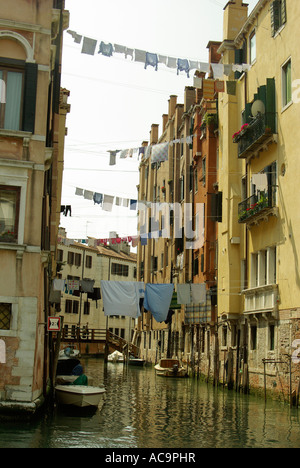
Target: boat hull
(80, 396)
(160, 371)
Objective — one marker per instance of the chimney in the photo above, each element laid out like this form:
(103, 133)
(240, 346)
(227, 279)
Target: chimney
(154, 134)
(213, 54)
(235, 15)
(172, 106)
(189, 97)
(165, 118)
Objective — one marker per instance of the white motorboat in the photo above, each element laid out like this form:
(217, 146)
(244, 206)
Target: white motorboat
(116, 357)
(136, 362)
(170, 368)
(81, 396)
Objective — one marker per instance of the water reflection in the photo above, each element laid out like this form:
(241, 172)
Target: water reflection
(145, 411)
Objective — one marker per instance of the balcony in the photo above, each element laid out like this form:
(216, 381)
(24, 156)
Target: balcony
(262, 299)
(259, 206)
(256, 136)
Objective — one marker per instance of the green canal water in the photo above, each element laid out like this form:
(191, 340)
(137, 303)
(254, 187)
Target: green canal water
(146, 411)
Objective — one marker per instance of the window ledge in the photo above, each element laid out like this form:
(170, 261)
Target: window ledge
(15, 133)
(287, 106)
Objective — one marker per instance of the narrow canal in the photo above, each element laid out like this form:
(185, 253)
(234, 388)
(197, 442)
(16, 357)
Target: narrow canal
(145, 411)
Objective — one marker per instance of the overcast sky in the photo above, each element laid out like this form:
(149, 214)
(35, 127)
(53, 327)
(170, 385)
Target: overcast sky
(115, 101)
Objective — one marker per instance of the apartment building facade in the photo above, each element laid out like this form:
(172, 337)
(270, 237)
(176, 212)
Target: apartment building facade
(83, 312)
(33, 114)
(258, 273)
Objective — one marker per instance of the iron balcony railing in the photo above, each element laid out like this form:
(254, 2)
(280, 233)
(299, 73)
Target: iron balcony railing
(257, 203)
(255, 134)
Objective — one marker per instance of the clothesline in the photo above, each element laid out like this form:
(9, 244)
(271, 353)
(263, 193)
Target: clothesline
(128, 297)
(89, 47)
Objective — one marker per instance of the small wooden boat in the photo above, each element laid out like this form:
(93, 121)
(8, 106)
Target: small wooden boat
(136, 362)
(81, 396)
(170, 368)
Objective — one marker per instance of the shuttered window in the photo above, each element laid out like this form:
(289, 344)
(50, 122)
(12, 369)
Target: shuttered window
(278, 15)
(18, 87)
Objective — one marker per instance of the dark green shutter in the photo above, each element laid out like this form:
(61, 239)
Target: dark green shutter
(239, 59)
(283, 12)
(275, 16)
(30, 90)
(271, 105)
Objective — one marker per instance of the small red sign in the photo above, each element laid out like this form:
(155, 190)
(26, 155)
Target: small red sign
(53, 324)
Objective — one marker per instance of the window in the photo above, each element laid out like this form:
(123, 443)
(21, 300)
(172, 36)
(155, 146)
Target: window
(70, 258)
(86, 310)
(182, 188)
(18, 86)
(278, 15)
(75, 307)
(196, 180)
(89, 261)
(60, 255)
(253, 47)
(204, 171)
(68, 306)
(78, 260)
(9, 213)
(5, 316)
(271, 337)
(11, 89)
(287, 83)
(253, 337)
(119, 269)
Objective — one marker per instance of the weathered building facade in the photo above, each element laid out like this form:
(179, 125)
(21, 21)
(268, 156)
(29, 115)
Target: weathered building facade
(33, 112)
(243, 167)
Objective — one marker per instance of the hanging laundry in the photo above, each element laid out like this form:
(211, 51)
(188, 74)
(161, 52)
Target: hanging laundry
(140, 56)
(231, 87)
(160, 152)
(77, 37)
(55, 297)
(58, 284)
(73, 285)
(121, 298)
(135, 241)
(112, 157)
(184, 294)
(227, 69)
(89, 46)
(68, 209)
(79, 192)
(163, 59)
(98, 198)
(219, 86)
(125, 202)
(87, 285)
(218, 70)
(208, 89)
(120, 49)
(129, 52)
(152, 60)
(106, 49)
(194, 65)
(172, 62)
(198, 293)
(148, 152)
(157, 300)
(88, 195)
(204, 67)
(108, 203)
(144, 239)
(133, 205)
(183, 65)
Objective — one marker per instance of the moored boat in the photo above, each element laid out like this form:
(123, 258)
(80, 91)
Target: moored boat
(170, 368)
(136, 362)
(80, 396)
(116, 357)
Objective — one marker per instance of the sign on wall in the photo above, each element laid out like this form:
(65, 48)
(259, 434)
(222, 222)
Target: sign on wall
(53, 324)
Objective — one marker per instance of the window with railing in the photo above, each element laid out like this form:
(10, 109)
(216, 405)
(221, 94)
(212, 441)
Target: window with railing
(9, 213)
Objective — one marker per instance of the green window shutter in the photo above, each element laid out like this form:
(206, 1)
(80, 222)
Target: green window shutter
(283, 12)
(30, 90)
(275, 16)
(271, 105)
